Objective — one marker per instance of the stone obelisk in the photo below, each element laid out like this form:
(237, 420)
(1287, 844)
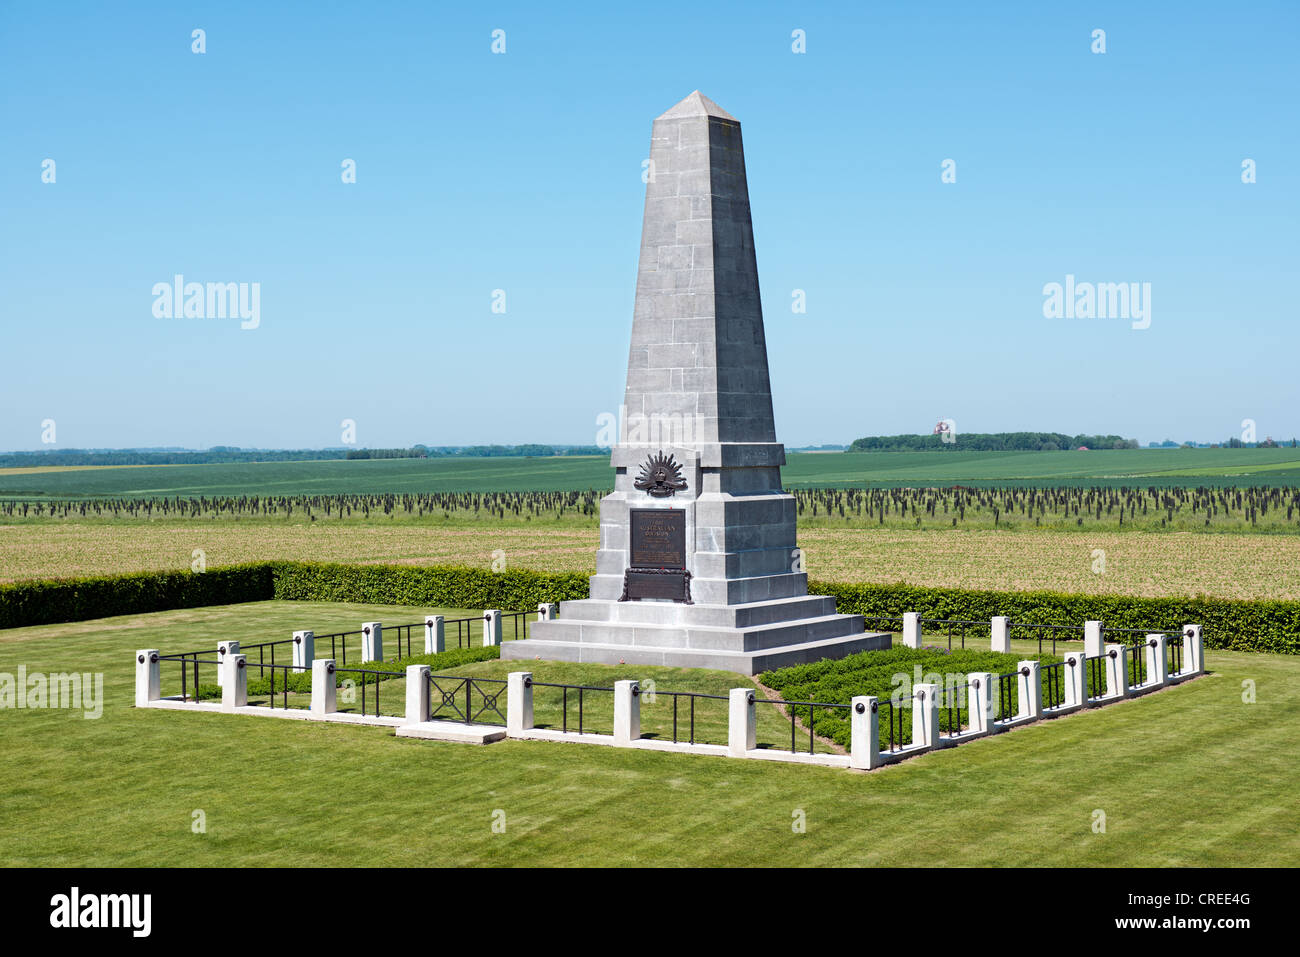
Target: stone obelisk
(698, 562)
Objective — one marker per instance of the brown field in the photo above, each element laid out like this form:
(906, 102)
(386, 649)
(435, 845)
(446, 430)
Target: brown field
(1149, 564)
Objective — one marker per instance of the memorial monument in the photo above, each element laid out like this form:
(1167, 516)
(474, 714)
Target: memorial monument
(698, 564)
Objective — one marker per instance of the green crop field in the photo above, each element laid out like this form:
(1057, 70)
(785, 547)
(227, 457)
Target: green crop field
(1160, 467)
(1105, 467)
(1189, 776)
(329, 477)
(1033, 520)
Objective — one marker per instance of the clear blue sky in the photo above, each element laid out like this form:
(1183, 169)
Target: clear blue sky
(522, 172)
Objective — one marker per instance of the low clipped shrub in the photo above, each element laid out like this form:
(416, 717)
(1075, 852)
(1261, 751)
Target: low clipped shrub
(884, 674)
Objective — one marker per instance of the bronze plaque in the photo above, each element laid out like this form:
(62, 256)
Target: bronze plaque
(657, 583)
(658, 538)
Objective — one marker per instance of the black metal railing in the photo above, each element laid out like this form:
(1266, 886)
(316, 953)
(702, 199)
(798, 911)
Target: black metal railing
(1138, 635)
(451, 697)
(338, 639)
(1137, 663)
(1007, 697)
(188, 659)
(1042, 633)
(677, 696)
(1107, 630)
(893, 743)
(521, 621)
(379, 676)
(949, 625)
(260, 648)
(284, 687)
(1174, 651)
(890, 724)
(887, 620)
(407, 632)
(581, 690)
(1096, 675)
(464, 630)
(1053, 679)
(953, 698)
(794, 706)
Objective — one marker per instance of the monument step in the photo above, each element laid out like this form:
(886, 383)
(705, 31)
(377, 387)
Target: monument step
(697, 637)
(723, 616)
(719, 591)
(744, 662)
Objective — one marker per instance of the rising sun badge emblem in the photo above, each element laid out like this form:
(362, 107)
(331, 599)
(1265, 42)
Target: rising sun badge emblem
(660, 476)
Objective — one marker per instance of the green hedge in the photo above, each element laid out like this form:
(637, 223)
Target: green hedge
(1231, 624)
(439, 586)
(80, 599)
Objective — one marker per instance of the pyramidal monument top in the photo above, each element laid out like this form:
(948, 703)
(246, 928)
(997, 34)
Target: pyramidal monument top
(698, 564)
(694, 105)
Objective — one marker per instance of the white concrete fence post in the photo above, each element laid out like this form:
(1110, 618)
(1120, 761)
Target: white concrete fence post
(911, 629)
(1157, 663)
(491, 628)
(1029, 690)
(627, 712)
(548, 611)
(1001, 627)
(742, 728)
(1093, 644)
(304, 650)
(372, 641)
(1075, 672)
(1116, 671)
(223, 649)
(234, 689)
(981, 700)
(417, 694)
(435, 635)
(324, 693)
(864, 733)
(1193, 650)
(925, 715)
(519, 702)
(148, 679)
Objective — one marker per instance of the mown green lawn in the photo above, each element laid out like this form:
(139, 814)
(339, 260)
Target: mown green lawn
(1188, 776)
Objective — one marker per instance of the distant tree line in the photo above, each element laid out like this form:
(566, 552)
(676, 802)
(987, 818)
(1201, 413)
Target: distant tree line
(990, 442)
(1268, 443)
(498, 451)
(416, 453)
(229, 454)
(58, 457)
(1229, 443)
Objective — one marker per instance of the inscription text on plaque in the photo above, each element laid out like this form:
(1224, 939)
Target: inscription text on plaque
(657, 566)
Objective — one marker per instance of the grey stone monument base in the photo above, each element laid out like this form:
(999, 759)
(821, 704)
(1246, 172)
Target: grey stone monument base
(745, 638)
